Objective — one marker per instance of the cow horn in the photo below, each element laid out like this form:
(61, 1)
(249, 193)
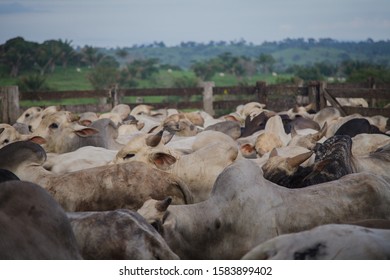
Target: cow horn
(273, 153)
(162, 205)
(320, 133)
(155, 139)
(299, 159)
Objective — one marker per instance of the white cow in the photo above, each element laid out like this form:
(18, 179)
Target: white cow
(245, 210)
(326, 242)
(82, 158)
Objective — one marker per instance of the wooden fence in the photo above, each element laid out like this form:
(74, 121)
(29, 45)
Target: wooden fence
(214, 100)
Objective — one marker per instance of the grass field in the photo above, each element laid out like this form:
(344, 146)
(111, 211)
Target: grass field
(76, 79)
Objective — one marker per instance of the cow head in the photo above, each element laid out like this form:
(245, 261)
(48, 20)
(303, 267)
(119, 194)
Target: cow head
(155, 211)
(267, 141)
(59, 129)
(148, 148)
(21, 153)
(180, 125)
(289, 164)
(8, 134)
(278, 169)
(307, 141)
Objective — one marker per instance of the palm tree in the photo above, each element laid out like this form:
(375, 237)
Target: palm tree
(91, 56)
(16, 53)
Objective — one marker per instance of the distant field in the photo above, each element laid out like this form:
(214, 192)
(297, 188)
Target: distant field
(69, 79)
(76, 79)
(60, 80)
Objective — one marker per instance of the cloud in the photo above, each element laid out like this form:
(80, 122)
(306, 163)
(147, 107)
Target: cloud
(14, 8)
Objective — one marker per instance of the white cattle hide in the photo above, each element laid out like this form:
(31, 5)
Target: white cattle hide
(326, 242)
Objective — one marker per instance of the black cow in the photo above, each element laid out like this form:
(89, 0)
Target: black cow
(253, 125)
(357, 126)
(333, 160)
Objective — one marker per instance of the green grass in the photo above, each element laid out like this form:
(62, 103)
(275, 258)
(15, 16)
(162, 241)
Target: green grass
(60, 80)
(230, 80)
(69, 79)
(70, 101)
(72, 79)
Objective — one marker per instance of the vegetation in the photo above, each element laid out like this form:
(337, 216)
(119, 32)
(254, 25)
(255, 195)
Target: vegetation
(56, 65)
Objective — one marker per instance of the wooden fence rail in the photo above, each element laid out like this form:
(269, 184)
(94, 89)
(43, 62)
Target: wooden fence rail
(207, 97)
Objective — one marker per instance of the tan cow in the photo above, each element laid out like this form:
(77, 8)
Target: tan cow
(8, 134)
(212, 152)
(180, 125)
(33, 116)
(110, 187)
(308, 140)
(364, 143)
(64, 134)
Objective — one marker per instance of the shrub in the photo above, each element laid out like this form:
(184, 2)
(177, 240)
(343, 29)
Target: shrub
(32, 82)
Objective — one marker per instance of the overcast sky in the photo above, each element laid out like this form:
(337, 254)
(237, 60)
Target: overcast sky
(120, 23)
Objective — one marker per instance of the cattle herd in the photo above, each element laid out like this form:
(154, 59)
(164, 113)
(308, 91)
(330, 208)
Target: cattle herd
(139, 183)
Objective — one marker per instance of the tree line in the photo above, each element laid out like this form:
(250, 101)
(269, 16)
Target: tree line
(119, 66)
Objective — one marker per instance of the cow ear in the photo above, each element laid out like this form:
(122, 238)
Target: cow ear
(86, 122)
(248, 151)
(154, 139)
(87, 131)
(167, 137)
(162, 160)
(153, 129)
(140, 125)
(38, 140)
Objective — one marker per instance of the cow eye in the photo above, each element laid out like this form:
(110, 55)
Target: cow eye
(5, 141)
(27, 115)
(128, 156)
(53, 126)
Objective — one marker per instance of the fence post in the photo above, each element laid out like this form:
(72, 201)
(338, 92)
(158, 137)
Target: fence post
(9, 97)
(261, 91)
(208, 97)
(321, 88)
(372, 85)
(114, 95)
